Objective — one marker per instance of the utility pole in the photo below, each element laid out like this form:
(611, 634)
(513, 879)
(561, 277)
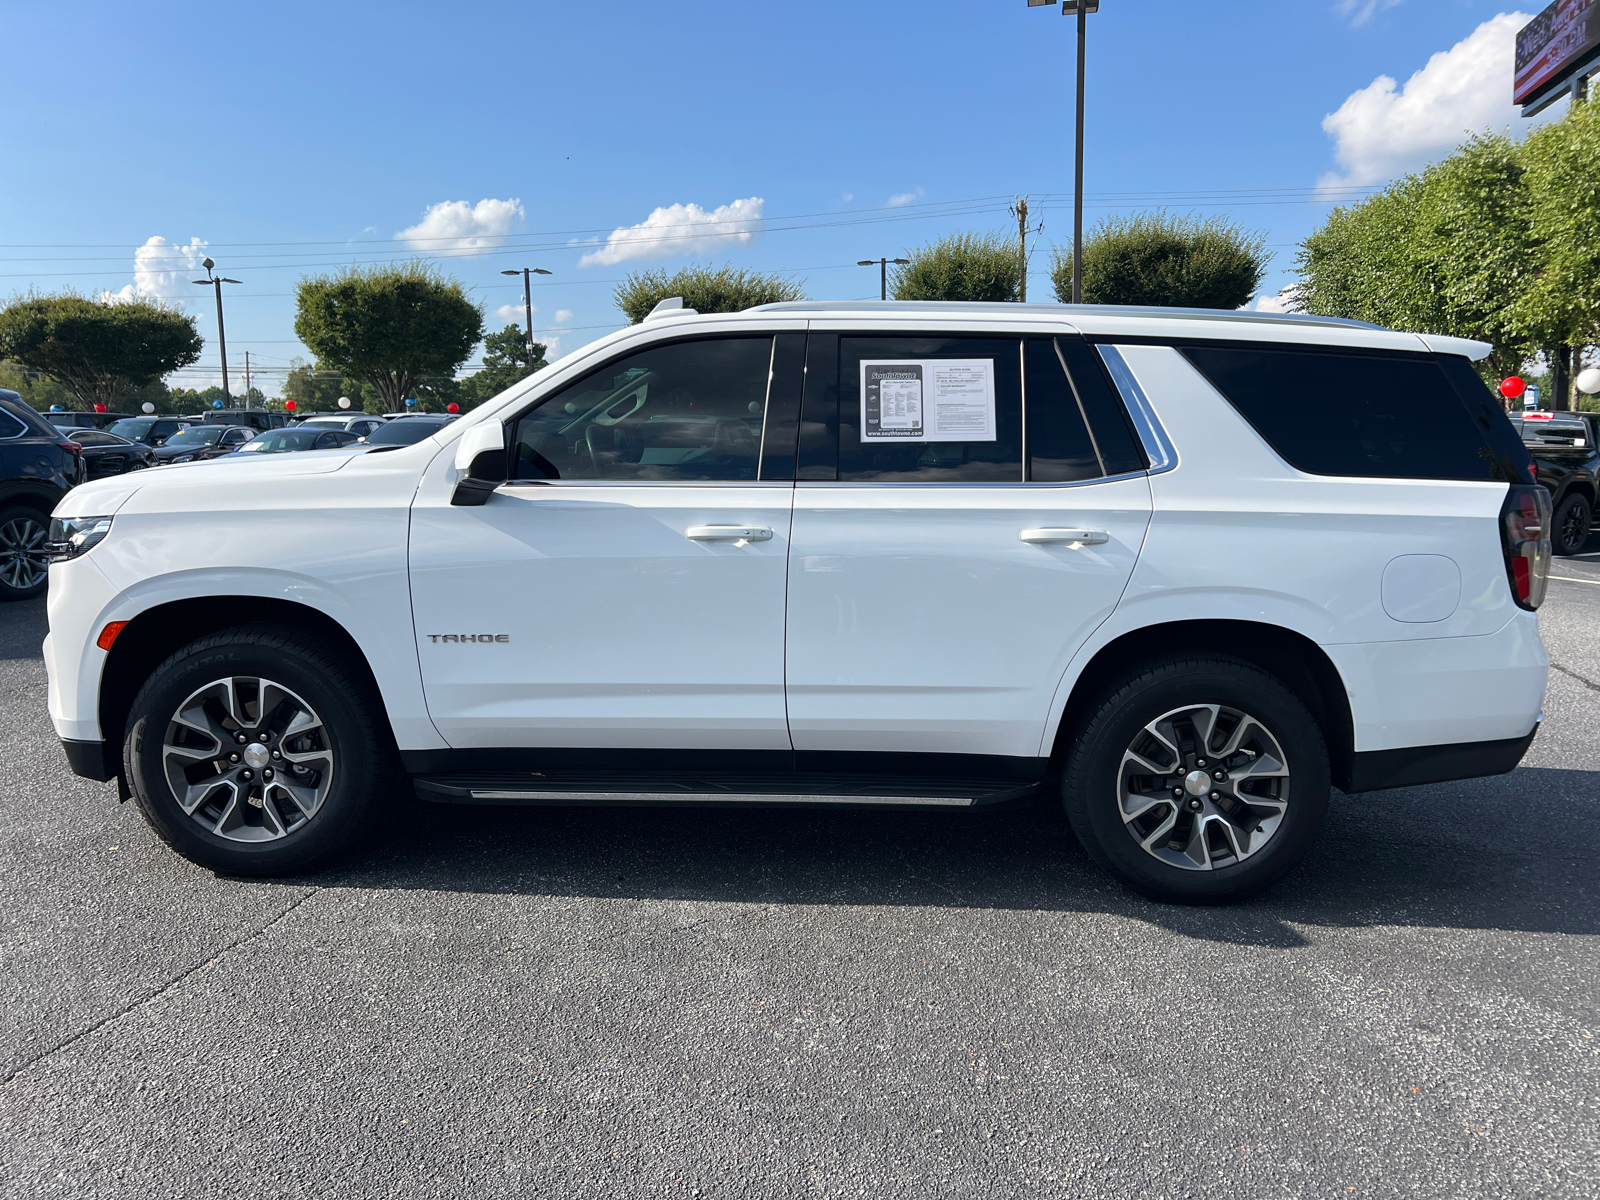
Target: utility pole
(1080, 9)
(883, 271)
(217, 281)
(247, 379)
(1020, 211)
(527, 300)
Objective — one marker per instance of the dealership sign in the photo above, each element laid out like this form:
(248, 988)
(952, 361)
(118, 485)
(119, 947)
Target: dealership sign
(1553, 48)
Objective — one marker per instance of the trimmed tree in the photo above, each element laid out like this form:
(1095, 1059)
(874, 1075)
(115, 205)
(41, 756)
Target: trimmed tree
(1162, 261)
(704, 289)
(971, 267)
(100, 352)
(505, 361)
(391, 326)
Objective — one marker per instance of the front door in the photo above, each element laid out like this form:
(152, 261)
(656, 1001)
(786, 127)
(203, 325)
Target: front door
(938, 587)
(626, 587)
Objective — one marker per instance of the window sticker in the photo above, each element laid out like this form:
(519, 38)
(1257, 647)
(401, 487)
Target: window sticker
(928, 400)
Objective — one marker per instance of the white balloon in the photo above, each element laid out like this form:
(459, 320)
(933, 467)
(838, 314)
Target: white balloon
(344, 401)
(147, 407)
(1589, 380)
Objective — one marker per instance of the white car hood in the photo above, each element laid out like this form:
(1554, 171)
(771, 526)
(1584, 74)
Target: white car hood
(104, 497)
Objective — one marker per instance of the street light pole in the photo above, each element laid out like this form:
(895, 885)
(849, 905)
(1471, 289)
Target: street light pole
(217, 281)
(527, 300)
(883, 271)
(1080, 9)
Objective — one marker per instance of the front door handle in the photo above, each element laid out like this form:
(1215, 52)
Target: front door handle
(1076, 537)
(728, 533)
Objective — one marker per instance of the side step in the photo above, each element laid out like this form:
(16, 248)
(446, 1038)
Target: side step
(724, 790)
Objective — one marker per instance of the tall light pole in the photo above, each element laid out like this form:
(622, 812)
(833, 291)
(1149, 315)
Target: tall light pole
(222, 338)
(883, 271)
(527, 300)
(1080, 9)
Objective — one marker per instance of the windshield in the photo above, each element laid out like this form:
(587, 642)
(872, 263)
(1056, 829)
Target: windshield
(404, 433)
(203, 436)
(276, 441)
(131, 427)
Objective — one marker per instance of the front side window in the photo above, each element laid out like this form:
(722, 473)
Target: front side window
(682, 411)
(930, 410)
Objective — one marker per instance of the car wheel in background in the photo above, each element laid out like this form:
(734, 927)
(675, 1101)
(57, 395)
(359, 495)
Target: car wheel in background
(24, 561)
(1570, 529)
(258, 751)
(1197, 780)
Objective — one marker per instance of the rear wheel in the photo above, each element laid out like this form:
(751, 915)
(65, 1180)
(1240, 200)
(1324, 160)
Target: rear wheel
(1570, 529)
(257, 751)
(1198, 780)
(24, 561)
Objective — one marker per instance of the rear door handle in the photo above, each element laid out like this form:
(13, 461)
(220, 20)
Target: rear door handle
(728, 533)
(1080, 537)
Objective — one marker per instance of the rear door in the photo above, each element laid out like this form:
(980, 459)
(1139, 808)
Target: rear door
(953, 545)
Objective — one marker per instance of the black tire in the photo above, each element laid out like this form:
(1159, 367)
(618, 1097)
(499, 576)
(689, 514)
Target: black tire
(23, 563)
(363, 769)
(1570, 529)
(1093, 782)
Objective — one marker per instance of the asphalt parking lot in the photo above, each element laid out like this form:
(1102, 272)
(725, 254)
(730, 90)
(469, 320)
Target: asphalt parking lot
(620, 1003)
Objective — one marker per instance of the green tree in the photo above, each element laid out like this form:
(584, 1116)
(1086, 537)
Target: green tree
(505, 361)
(704, 289)
(961, 266)
(390, 326)
(100, 352)
(315, 388)
(1158, 260)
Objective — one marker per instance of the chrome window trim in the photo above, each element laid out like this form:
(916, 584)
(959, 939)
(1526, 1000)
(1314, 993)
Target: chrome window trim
(1157, 446)
(881, 483)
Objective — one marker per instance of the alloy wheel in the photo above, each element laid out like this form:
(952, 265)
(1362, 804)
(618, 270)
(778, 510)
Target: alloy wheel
(248, 759)
(1203, 787)
(24, 561)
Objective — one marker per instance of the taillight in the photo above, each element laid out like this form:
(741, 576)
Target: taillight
(1525, 532)
(71, 447)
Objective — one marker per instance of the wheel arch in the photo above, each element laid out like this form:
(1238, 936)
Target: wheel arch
(1296, 660)
(156, 632)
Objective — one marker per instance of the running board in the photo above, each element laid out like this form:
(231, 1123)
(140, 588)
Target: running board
(723, 790)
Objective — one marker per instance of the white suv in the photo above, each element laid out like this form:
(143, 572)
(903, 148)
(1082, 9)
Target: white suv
(1192, 568)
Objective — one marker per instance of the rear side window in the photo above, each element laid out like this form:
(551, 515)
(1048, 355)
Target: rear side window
(1384, 417)
(1076, 426)
(16, 419)
(10, 427)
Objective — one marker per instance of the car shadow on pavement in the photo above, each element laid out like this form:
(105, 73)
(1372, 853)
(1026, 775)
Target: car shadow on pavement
(23, 624)
(1510, 853)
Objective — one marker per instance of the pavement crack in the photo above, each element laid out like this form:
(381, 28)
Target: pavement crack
(156, 993)
(1571, 674)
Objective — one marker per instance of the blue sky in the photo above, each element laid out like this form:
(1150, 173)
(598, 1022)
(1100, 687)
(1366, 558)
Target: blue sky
(291, 138)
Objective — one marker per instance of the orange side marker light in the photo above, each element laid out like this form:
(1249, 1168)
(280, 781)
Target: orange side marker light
(109, 634)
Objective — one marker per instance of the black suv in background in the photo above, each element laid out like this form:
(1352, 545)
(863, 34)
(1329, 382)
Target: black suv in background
(84, 420)
(258, 419)
(38, 463)
(1568, 464)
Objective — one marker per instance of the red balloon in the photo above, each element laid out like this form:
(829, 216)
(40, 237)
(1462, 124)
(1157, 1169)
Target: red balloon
(1513, 387)
(290, 405)
(452, 407)
(99, 408)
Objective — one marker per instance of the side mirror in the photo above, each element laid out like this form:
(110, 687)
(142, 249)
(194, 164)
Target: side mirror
(481, 460)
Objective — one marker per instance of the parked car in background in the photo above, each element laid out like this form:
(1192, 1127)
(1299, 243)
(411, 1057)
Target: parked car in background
(203, 441)
(284, 441)
(360, 424)
(84, 420)
(258, 419)
(105, 453)
(1567, 459)
(38, 465)
(407, 431)
(152, 431)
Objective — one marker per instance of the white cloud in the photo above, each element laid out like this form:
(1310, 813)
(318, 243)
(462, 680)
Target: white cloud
(1382, 132)
(563, 315)
(681, 229)
(162, 270)
(901, 199)
(513, 313)
(849, 196)
(1362, 11)
(1281, 303)
(456, 225)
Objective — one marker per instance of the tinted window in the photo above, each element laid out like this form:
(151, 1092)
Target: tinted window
(686, 410)
(199, 436)
(95, 437)
(930, 410)
(1489, 416)
(405, 433)
(10, 427)
(1352, 414)
(134, 428)
(1060, 449)
(30, 421)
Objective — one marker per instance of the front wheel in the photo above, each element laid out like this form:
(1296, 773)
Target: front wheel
(257, 751)
(1198, 780)
(1570, 529)
(24, 560)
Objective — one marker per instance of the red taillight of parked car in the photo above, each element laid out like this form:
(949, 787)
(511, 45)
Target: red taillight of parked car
(71, 448)
(1525, 532)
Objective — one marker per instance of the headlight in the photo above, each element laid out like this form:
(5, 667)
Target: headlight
(183, 458)
(72, 536)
